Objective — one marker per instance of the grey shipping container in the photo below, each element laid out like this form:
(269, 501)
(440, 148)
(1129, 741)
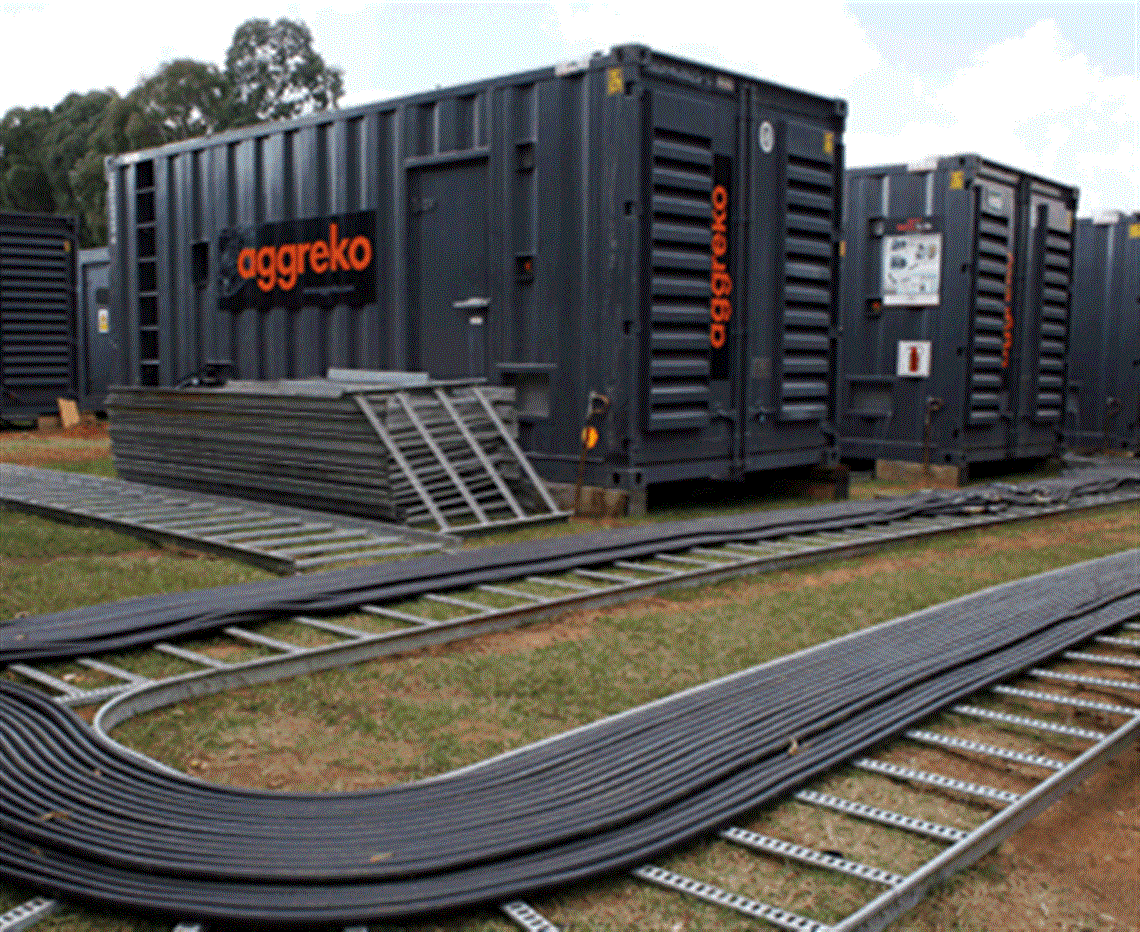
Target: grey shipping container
(646, 238)
(39, 342)
(1104, 342)
(956, 293)
(97, 361)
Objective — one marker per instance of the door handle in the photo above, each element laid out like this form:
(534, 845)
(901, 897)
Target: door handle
(472, 304)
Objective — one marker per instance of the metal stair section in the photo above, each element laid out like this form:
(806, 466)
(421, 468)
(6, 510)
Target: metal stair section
(457, 463)
(273, 537)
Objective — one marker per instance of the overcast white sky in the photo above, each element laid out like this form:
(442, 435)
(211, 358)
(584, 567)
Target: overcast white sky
(1048, 87)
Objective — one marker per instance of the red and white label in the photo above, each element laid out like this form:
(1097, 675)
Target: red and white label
(914, 358)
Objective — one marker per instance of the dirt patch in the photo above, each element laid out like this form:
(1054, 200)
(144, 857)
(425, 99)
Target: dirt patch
(86, 442)
(576, 627)
(287, 752)
(1090, 840)
(1072, 869)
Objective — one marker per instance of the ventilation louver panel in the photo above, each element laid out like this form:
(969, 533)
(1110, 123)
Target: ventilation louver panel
(679, 351)
(1056, 277)
(993, 257)
(805, 373)
(36, 325)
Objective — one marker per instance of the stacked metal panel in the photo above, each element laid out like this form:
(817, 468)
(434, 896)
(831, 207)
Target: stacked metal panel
(438, 454)
(38, 338)
(1103, 408)
(652, 233)
(956, 295)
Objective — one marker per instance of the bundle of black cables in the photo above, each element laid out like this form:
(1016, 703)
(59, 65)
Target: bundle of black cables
(85, 821)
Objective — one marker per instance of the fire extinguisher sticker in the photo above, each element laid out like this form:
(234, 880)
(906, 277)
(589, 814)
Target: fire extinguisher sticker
(914, 359)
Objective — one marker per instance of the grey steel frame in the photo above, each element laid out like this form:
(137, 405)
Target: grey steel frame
(273, 537)
(507, 501)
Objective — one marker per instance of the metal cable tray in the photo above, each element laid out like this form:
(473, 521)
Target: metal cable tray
(743, 543)
(599, 798)
(274, 537)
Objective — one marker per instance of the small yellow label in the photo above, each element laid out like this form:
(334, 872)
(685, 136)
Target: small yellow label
(104, 320)
(615, 81)
(842, 248)
(957, 180)
(1134, 231)
(829, 143)
(590, 437)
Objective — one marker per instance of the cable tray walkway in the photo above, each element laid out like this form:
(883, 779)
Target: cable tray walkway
(274, 537)
(987, 814)
(436, 455)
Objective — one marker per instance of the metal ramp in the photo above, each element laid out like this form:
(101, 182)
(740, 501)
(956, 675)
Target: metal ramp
(444, 444)
(440, 456)
(273, 537)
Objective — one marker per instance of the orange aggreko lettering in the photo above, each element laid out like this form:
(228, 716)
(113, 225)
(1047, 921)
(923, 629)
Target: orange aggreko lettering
(266, 268)
(319, 257)
(247, 263)
(281, 266)
(360, 253)
(720, 282)
(287, 267)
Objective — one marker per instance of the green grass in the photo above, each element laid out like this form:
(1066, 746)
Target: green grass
(46, 566)
(401, 718)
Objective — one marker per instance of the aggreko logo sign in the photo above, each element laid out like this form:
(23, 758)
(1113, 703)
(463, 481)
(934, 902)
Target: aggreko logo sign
(280, 266)
(720, 282)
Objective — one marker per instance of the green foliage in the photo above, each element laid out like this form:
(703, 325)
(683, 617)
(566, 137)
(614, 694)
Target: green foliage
(51, 160)
(276, 74)
(24, 181)
(183, 99)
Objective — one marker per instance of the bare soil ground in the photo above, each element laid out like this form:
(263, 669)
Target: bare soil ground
(87, 441)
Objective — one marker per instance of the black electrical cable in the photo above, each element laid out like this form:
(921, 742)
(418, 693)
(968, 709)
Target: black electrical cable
(147, 620)
(85, 821)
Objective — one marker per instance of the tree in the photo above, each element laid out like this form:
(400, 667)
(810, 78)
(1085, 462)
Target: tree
(51, 160)
(276, 73)
(24, 180)
(184, 99)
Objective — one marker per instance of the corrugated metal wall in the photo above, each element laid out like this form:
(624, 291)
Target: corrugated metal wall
(1104, 349)
(559, 231)
(956, 302)
(39, 345)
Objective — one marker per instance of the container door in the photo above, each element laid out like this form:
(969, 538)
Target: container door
(97, 302)
(991, 338)
(793, 365)
(692, 230)
(1042, 332)
(449, 301)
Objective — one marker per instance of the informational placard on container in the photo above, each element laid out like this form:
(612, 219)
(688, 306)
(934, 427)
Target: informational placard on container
(319, 261)
(912, 268)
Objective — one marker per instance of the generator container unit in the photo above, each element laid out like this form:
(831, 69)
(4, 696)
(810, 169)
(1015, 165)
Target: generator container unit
(956, 292)
(99, 347)
(1104, 345)
(40, 345)
(645, 248)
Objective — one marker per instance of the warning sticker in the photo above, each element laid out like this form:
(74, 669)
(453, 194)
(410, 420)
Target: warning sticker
(104, 320)
(914, 359)
(912, 268)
